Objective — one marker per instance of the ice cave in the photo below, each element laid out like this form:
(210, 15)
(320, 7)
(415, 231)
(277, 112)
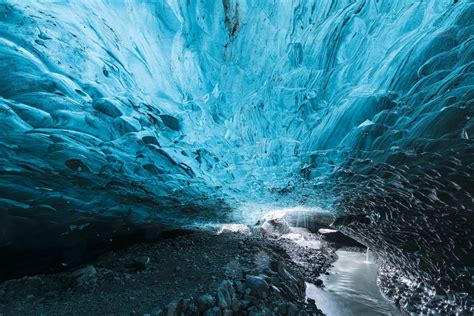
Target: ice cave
(130, 127)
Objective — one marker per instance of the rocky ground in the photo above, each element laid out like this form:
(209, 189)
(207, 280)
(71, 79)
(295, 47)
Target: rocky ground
(240, 270)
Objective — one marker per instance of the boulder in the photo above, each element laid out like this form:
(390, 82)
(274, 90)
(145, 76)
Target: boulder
(287, 309)
(193, 310)
(139, 263)
(175, 308)
(157, 312)
(236, 305)
(292, 286)
(258, 286)
(85, 276)
(205, 302)
(225, 294)
(240, 286)
(214, 311)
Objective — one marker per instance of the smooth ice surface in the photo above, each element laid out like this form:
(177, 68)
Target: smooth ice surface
(180, 112)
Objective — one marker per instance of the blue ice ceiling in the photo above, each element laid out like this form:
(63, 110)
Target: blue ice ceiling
(177, 111)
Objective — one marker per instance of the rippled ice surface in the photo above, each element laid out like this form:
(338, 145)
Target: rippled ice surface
(180, 112)
(351, 289)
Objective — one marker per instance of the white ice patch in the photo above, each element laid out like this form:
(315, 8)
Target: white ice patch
(366, 123)
(299, 239)
(235, 228)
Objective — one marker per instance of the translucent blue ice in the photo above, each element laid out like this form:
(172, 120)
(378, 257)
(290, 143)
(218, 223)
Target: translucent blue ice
(181, 110)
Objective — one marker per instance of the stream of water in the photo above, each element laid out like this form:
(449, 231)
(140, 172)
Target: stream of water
(351, 288)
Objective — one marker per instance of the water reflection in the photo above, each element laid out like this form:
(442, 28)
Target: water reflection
(351, 288)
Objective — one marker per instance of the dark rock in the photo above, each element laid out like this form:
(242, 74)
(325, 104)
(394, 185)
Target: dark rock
(275, 280)
(245, 303)
(236, 305)
(85, 276)
(175, 308)
(318, 282)
(157, 312)
(186, 303)
(258, 286)
(139, 263)
(225, 294)
(193, 310)
(293, 287)
(205, 302)
(292, 309)
(267, 312)
(240, 287)
(215, 311)
(252, 310)
(282, 309)
(311, 302)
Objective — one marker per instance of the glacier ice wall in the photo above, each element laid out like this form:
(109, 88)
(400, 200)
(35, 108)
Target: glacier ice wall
(177, 111)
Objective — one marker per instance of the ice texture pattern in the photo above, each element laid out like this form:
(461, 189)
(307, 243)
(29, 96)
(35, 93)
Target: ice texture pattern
(176, 112)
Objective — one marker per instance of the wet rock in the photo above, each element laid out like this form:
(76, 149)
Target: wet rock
(267, 312)
(258, 286)
(281, 309)
(275, 288)
(240, 286)
(175, 308)
(311, 308)
(225, 294)
(236, 305)
(245, 303)
(157, 312)
(292, 309)
(139, 263)
(170, 310)
(84, 277)
(253, 311)
(192, 310)
(293, 287)
(215, 311)
(318, 282)
(186, 304)
(205, 302)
